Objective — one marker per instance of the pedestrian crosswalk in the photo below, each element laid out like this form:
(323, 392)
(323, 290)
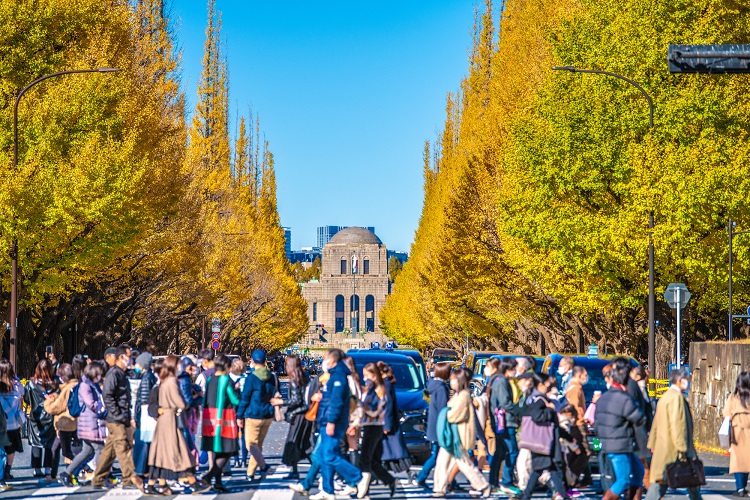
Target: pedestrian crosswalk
(274, 487)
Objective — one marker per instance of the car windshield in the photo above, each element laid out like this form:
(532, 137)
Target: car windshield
(407, 376)
(479, 365)
(440, 359)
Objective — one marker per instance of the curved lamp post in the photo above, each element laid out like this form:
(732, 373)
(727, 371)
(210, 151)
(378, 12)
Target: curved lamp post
(14, 244)
(651, 295)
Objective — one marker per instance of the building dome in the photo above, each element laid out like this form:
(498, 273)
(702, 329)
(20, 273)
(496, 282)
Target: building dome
(355, 236)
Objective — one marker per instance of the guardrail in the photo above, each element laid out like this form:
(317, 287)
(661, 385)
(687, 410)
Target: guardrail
(657, 387)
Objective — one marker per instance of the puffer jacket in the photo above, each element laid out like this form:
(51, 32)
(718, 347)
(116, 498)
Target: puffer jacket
(12, 406)
(91, 423)
(58, 408)
(334, 407)
(255, 402)
(189, 391)
(617, 416)
(148, 381)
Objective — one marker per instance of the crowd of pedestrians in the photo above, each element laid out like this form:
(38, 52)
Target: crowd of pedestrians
(146, 413)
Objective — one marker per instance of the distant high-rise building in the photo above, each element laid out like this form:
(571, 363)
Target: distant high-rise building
(401, 256)
(288, 241)
(325, 233)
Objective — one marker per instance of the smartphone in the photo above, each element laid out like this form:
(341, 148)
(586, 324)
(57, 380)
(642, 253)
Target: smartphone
(49, 349)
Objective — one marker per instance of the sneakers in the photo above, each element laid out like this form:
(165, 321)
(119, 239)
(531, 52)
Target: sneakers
(200, 487)
(484, 493)
(348, 491)
(511, 491)
(740, 493)
(322, 495)
(419, 484)
(299, 488)
(263, 471)
(364, 485)
(66, 479)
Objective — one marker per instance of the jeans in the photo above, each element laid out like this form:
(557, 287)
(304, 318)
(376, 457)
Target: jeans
(740, 480)
(628, 472)
(91, 449)
(332, 461)
(314, 466)
(429, 464)
(3, 462)
(555, 483)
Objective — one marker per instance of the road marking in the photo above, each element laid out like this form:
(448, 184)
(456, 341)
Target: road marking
(121, 493)
(274, 494)
(193, 497)
(719, 480)
(55, 492)
(715, 497)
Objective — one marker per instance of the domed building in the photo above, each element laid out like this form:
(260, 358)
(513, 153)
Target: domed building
(343, 306)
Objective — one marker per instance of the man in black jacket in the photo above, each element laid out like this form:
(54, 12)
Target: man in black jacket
(616, 419)
(116, 395)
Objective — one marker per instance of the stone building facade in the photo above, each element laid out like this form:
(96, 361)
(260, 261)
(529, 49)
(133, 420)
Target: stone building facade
(352, 290)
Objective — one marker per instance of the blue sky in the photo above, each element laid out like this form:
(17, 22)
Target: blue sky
(347, 93)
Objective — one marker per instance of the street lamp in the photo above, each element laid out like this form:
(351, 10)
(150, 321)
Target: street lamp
(651, 294)
(732, 234)
(14, 243)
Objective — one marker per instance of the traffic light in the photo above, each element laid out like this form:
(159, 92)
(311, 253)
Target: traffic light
(732, 58)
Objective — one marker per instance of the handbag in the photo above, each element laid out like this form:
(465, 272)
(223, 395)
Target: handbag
(278, 411)
(686, 473)
(499, 420)
(312, 413)
(148, 425)
(724, 433)
(536, 438)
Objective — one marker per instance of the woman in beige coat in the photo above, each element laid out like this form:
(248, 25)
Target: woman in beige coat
(737, 410)
(169, 450)
(671, 434)
(461, 413)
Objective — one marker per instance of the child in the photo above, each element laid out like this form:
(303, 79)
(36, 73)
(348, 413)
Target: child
(575, 458)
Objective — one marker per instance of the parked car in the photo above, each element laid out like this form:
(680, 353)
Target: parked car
(417, 357)
(410, 396)
(449, 355)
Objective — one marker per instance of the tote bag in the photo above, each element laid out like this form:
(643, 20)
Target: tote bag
(724, 432)
(536, 438)
(148, 425)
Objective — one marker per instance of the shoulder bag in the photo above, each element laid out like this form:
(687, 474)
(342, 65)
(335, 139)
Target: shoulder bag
(686, 473)
(536, 438)
(278, 411)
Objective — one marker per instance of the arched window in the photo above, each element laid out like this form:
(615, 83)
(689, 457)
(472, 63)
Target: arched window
(339, 313)
(366, 266)
(343, 266)
(354, 304)
(370, 313)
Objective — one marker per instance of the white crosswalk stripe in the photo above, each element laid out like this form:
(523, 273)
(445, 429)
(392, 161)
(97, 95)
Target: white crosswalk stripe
(55, 492)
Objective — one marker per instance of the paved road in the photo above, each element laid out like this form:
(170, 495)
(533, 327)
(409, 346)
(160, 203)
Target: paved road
(275, 487)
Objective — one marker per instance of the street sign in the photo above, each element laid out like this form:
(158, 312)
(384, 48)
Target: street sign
(593, 351)
(216, 325)
(375, 345)
(677, 296)
(389, 345)
(677, 293)
(215, 336)
(215, 345)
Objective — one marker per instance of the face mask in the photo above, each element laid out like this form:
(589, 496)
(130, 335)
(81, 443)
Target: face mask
(584, 381)
(562, 371)
(324, 365)
(608, 385)
(685, 385)
(487, 372)
(454, 385)
(138, 369)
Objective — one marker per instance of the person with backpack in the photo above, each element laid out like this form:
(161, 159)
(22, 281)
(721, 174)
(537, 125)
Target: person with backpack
(457, 435)
(57, 406)
(11, 398)
(87, 402)
(41, 424)
(255, 412)
(439, 392)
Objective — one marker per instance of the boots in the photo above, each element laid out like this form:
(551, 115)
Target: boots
(609, 495)
(354, 458)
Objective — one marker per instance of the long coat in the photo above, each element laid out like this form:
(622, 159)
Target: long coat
(169, 450)
(220, 416)
(671, 432)
(739, 459)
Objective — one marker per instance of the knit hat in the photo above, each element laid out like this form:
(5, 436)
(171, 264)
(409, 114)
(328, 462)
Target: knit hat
(259, 356)
(144, 359)
(110, 350)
